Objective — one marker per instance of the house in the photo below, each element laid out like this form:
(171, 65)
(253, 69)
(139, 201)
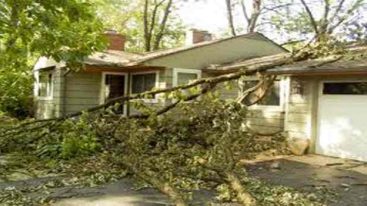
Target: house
(115, 72)
(322, 102)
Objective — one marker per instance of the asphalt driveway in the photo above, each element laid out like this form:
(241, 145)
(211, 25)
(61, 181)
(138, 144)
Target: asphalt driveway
(346, 177)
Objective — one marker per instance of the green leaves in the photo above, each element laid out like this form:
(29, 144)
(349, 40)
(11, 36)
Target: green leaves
(66, 31)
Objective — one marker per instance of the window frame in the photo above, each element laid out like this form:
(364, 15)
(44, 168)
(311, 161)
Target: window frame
(49, 71)
(187, 71)
(282, 96)
(156, 85)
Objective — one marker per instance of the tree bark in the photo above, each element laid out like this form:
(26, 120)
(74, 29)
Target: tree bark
(256, 11)
(147, 36)
(162, 27)
(230, 17)
(311, 17)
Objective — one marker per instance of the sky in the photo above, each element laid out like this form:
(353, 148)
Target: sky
(208, 15)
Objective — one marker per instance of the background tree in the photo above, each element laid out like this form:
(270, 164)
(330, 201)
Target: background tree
(148, 24)
(230, 17)
(317, 20)
(298, 19)
(64, 30)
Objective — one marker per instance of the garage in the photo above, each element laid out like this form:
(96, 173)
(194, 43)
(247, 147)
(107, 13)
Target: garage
(342, 120)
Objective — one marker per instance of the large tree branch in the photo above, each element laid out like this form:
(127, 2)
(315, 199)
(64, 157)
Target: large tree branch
(325, 21)
(337, 10)
(244, 10)
(311, 17)
(153, 21)
(163, 24)
(256, 8)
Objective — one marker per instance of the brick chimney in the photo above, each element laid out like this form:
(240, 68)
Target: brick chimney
(115, 40)
(194, 36)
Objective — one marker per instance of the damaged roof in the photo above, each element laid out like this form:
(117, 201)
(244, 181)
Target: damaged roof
(353, 61)
(112, 58)
(158, 58)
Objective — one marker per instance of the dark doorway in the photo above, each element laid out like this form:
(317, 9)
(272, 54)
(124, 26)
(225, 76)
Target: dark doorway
(115, 87)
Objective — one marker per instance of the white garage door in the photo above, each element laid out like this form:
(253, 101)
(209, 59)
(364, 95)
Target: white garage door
(342, 120)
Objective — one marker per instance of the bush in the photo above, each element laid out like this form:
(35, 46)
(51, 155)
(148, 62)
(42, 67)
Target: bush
(73, 138)
(16, 93)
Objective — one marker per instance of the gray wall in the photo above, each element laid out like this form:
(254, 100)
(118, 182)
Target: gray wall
(82, 91)
(223, 52)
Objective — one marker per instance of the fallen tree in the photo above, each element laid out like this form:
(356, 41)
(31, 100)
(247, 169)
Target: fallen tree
(199, 148)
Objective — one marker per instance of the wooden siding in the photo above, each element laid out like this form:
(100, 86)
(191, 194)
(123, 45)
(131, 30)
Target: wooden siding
(82, 91)
(302, 110)
(44, 109)
(263, 121)
(228, 91)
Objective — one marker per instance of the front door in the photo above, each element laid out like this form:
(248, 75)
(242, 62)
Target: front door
(114, 86)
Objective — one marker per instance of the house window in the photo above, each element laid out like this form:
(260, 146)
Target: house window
(45, 84)
(143, 82)
(272, 96)
(345, 88)
(185, 76)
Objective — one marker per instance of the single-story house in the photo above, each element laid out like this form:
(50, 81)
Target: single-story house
(321, 103)
(59, 91)
(324, 102)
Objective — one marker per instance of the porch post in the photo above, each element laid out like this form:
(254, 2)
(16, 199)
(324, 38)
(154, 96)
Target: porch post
(128, 93)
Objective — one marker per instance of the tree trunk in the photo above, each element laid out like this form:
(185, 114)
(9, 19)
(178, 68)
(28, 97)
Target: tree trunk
(230, 17)
(256, 9)
(147, 35)
(162, 27)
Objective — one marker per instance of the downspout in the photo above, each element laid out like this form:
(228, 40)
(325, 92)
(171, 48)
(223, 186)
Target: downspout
(128, 93)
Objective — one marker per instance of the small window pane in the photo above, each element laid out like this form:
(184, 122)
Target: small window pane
(45, 84)
(351, 88)
(185, 78)
(271, 98)
(143, 82)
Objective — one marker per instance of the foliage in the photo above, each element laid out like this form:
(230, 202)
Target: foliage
(302, 20)
(308, 19)
(74, 138)
(16, 92)
(68, 28)
(127, 17)
(195, 146)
